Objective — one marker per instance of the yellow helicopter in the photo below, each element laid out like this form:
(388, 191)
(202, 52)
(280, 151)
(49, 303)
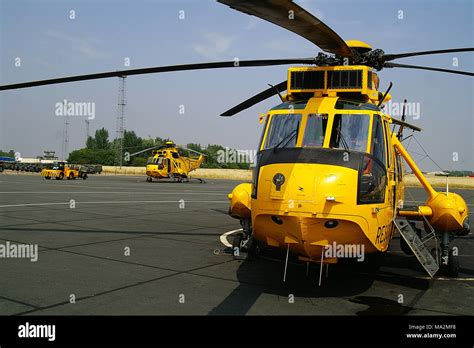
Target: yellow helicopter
(168, 163)
(329, 167)
(329, 172)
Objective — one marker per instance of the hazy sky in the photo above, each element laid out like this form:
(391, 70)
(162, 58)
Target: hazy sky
(150, 33)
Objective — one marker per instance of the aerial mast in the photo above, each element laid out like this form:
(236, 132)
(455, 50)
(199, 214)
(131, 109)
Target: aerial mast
(65, 139)
(120, 120)
(87, 129)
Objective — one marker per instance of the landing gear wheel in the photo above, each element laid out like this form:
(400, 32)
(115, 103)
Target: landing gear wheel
(236, 244)
(148, 179)
(47, 177)
(453, 265)
(452, 268)
(84, 177)
(255, 248)
(71, 176)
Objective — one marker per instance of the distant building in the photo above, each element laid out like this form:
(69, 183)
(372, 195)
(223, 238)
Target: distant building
(48, 157)
(439, 172)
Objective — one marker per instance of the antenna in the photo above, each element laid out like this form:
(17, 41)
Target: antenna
(400, 130)
(87, 128)
(65, 138)
(120, 120)
(278, 92)
(385, 94)
(403, 110)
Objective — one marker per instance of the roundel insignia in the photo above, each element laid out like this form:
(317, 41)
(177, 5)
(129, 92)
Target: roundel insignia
(278, 180)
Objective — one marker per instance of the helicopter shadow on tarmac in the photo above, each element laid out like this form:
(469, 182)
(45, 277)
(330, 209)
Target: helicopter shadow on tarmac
(346, 280)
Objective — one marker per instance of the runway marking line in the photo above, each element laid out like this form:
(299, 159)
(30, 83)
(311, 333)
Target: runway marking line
(115, 192)
(103, 202)
(223, 237)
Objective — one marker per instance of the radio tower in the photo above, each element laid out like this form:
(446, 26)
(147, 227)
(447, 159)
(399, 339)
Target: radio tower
(87, 129)
(65, 138)
(120, 120)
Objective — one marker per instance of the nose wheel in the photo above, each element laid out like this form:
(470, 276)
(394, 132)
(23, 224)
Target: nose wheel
(453, 265)
(237, 246)
(446, 256)
(243, 242)
(449, 263)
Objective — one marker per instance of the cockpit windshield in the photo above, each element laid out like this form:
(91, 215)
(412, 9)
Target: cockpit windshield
(155, 160)
(283, 130)
(315, 130)
(350, 132)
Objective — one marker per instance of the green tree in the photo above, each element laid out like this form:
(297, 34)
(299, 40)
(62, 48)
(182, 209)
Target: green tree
(102, 139)
(10, 153)
(91, 143)
(131, 142)
(139, 162)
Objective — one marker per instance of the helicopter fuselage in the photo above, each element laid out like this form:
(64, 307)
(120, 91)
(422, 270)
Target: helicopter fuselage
(329, 171)
(314, 192)
(168, 163)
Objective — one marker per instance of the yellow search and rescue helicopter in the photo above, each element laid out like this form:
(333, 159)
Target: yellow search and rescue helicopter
(168, 163)
(329, 167)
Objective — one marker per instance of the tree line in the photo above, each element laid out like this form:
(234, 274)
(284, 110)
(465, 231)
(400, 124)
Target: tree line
(101, 150)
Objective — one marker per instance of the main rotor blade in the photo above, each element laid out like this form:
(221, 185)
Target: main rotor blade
(141, 151)
(256, 99)
(161, 69)
(191, 150)
(289, 15)
(388, 57)
(396, 65)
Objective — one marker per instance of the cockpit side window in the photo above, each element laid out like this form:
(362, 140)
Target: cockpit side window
(350, 132)
(315, 130)
(263, 132)
(378, 143)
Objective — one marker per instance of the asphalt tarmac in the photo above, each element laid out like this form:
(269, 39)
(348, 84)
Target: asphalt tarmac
(117, 245)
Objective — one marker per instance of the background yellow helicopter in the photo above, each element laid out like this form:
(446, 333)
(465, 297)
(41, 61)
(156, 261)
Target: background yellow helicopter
(168, 163)
(329, 166)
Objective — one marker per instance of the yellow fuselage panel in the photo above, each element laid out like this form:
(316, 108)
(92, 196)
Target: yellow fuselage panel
(153, 171)
(311, 195)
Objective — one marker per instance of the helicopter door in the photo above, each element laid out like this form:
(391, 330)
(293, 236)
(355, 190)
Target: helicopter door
(392, 187)
(168, 164)
(378, 149)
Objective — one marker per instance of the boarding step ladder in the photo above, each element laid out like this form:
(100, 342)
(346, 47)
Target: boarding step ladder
(418, 245)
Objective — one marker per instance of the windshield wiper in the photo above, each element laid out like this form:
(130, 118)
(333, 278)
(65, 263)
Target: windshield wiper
(343, 140)
(288, 138)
